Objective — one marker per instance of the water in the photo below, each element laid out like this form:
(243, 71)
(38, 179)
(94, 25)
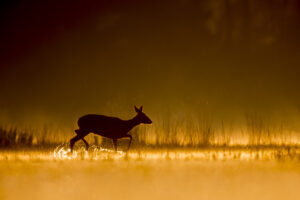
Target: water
(150, 174)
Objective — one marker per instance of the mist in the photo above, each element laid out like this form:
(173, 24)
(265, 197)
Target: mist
(179, 59)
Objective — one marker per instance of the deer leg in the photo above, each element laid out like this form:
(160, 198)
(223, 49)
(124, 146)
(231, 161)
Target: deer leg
(86, 143)
(115, 144)
(130, 139)
(73, 140)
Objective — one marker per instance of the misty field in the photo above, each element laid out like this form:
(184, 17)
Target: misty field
(207, 91)
(171, 160)
(151, 174)
(178, 157)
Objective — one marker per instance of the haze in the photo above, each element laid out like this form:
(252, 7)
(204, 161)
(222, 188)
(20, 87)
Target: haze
(63, 59)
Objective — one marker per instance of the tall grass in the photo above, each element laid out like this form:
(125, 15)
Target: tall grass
(15, 138)
(170, 131)
(203, 131)
(11, 137)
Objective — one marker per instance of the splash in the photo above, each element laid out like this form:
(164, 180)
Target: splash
(63, 152)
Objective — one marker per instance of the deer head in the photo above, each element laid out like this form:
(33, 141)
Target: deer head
(142, 117)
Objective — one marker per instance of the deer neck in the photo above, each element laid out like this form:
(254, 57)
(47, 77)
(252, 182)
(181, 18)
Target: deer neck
(132, 123)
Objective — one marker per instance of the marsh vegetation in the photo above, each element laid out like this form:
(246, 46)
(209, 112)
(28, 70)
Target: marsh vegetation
(173, 159)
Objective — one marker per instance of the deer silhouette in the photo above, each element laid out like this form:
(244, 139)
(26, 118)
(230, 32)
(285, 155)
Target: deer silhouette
(110, 127)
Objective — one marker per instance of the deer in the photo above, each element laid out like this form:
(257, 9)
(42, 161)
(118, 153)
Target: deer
(109, 127)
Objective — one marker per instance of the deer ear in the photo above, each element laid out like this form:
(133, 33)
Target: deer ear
(136, 109)
(141, 108)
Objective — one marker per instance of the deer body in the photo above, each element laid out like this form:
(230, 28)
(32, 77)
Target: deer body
(110, 127)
